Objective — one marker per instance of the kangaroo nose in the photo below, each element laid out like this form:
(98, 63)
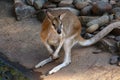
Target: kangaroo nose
(59, 31)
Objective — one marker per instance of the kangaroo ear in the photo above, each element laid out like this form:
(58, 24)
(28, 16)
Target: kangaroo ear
(50, 16)
(62, 16)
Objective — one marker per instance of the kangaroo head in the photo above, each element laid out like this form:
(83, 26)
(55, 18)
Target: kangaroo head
(56, 22)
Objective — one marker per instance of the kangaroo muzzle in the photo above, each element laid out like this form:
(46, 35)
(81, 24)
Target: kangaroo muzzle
(59, 31)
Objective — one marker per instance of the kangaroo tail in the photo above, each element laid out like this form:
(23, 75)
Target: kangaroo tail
(100, 35)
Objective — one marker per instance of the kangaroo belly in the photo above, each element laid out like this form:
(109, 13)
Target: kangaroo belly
(53, 42)
(53, 39)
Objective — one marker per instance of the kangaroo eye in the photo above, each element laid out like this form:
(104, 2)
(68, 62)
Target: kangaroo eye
(53, 24)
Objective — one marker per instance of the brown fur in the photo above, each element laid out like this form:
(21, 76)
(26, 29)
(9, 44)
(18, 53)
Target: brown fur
(46, 26)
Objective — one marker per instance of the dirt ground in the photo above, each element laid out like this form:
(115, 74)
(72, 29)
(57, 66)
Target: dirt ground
(19, 41)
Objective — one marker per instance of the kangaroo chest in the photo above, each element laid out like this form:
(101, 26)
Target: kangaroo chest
(53, 39)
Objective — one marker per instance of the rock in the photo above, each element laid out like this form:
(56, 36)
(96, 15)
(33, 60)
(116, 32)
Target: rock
(101, 21)
(109, 1)
(66, 3)
(118, 62)
(105, 0)
(92, 28)
(94, 0)
(73, 10)
(114, 60)
(85, 19)
(41, 15)
(100, 0)
(101, 7)
(88, 36)
(117, 38)
(117, 15)
(38, 4)
(49, 5)
(118, 46)
(79, 4)
(56, 1)
(113, 2)
(30, 2)
(118, 4)
(116, 11)
(23, 11)
(108, 45)
(86, 11)
(79, 1)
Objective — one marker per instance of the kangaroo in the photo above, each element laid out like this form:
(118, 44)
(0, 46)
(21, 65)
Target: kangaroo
(63, 29)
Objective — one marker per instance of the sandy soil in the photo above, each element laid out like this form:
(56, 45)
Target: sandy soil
(19, 41)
